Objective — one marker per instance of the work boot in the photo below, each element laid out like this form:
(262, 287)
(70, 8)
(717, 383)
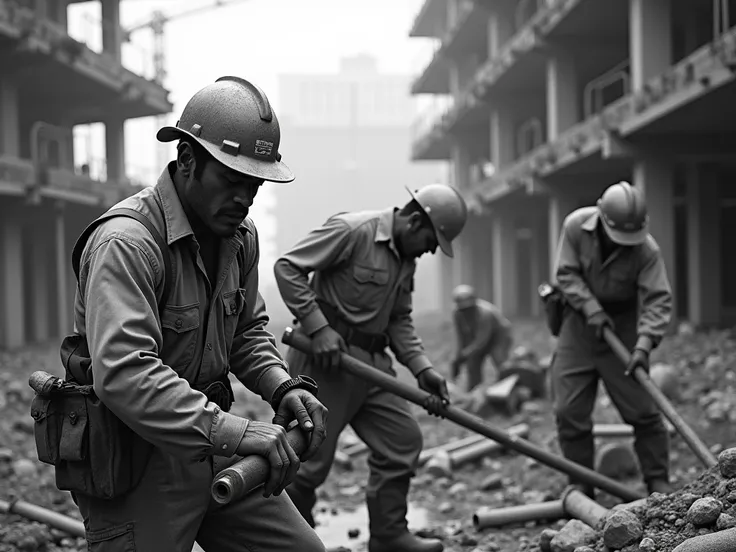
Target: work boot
(405, 542)
(659, 486)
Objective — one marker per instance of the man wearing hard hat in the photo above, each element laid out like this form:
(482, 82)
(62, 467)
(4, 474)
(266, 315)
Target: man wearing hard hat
(611, 274)
(482, 331)
(168, 303)
(360, 301)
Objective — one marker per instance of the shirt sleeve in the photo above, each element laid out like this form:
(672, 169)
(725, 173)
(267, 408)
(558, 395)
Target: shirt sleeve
(124, 338)
(655, 298)
(404, 341)
(569, 274)
(324, 247)
(254, 359)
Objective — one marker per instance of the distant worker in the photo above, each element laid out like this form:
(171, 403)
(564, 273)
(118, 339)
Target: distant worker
(482, 331)
(360, 301)
(611, 274)
(163, 339)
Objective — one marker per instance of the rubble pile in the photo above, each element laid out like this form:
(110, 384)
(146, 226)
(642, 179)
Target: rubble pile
(661, 522)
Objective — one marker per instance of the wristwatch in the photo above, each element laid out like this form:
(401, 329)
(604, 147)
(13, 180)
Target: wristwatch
(299, 382)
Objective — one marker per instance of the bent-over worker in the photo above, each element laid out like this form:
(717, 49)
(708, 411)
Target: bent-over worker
(360, 301)
(611, 273)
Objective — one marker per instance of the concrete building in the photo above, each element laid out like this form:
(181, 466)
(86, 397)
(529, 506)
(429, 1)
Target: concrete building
(49, 83)
(347, 137)
(565, 97)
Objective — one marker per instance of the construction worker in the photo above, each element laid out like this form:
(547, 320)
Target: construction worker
(611, 274)
(166, 375)
(482, 331)
(360, 301)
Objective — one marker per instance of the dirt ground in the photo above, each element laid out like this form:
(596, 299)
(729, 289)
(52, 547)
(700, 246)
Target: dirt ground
(441, 507)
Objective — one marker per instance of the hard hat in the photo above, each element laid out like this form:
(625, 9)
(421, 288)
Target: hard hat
(233, 120)
(447, 211)
(623, 211)
(463, 294)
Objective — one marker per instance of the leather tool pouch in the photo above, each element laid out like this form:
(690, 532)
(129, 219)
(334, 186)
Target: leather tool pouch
(554, 306)
(220, 392)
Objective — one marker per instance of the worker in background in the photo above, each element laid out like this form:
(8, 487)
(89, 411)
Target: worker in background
(611, 273)
(360, 301)
(166, 377)
(482, 331)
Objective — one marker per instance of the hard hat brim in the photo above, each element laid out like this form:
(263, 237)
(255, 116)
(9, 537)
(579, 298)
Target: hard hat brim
(442, 241)
(625, 238)
(272, 171)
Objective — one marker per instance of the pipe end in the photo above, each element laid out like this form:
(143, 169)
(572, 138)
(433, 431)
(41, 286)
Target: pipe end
(223, 488)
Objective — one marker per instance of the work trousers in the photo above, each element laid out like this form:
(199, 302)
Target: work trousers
(383, 421)
(172, 507)
(580, 360)
(498, 349)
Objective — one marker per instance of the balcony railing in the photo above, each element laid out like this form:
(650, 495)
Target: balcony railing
(606, 89)
(431, 115)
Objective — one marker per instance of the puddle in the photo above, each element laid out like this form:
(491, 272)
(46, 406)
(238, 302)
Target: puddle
(333, 528)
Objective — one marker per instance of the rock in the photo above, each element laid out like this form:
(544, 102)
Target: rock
(440, 465)
(353, 533)
(446, 507)
(458, 489)
(665, 377)
(342, 460)
(725, 521)
(727, 463)
(647, 545)
(6, 455)
(704, 511)
(351, 490)
(583, 549)
(621, 529)
(545, 540)
(23, 467)
(575, 533)
(616, 460)
(492, 482)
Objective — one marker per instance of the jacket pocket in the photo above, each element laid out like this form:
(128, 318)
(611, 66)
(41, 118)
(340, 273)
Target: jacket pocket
(179, 326)
(119, 538)
(367, 286)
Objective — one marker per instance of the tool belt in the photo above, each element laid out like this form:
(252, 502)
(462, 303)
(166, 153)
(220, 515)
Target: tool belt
(219, 392)
(370, 342)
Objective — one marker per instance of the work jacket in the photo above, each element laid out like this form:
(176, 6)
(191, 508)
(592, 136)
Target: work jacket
(145, 366)
(479, 326)
(632, 277)
(358, 271)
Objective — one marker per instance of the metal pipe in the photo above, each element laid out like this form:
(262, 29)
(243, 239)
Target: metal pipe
(722, 541)
(251, 472)
(486, 446)
(417, 396)
(42, 515)
(640, 375)
(498, 517)
(580, 506)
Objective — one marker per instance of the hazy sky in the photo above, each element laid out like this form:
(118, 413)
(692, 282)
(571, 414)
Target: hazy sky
(255, 39)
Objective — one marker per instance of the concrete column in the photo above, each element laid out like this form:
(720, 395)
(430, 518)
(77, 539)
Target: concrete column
(12, 312)
(41, 267)
(447, 282)
(63, 268)
(9, 121)
(502, 137)
(112, 33)
(115, 149)
(500, 27)
(650, 40)
(703, 247)
(503, 247)
(563, 94)
(57, 11)
(561, 204)
(655, 178)
(455, 80)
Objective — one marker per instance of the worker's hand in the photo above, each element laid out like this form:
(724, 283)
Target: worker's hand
(432, 382)
(269, 441)
(598, 321)
(639, 359)
(301, 405)
(326, 347)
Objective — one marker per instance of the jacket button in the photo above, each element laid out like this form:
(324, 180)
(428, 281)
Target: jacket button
(178, 323)
(209, 346)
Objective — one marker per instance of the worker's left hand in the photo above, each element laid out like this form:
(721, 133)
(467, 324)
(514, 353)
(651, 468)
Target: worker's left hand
(432, 382)
(639, 359)
(301, 405)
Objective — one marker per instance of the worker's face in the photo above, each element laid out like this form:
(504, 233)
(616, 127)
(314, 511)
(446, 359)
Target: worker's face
(465, 304)
(417, 238)
(220, 197)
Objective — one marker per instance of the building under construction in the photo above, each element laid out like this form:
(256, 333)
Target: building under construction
(49, 83)
(540, 105)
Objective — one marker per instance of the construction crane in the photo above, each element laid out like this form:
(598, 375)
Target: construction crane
(157, 23)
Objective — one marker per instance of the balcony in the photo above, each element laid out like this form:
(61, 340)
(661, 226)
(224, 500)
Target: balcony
(428, 140)
(431, 20)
